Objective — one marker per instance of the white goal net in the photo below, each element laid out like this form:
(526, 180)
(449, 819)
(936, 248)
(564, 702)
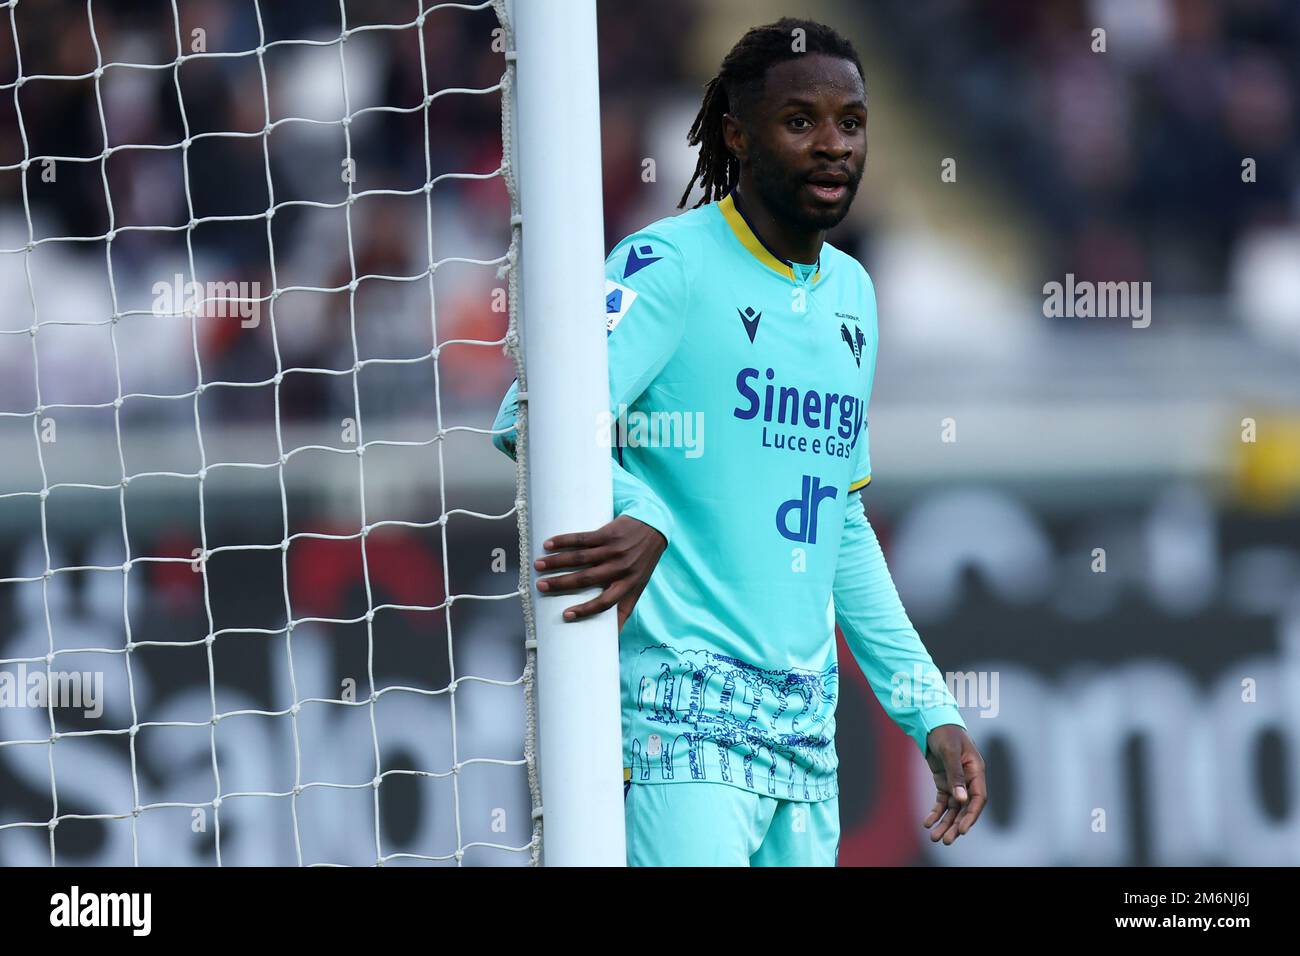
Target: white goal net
(261, 596)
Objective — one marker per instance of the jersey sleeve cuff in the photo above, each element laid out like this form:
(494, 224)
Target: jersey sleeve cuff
(652, 513)
(932, 717)
(859, 484)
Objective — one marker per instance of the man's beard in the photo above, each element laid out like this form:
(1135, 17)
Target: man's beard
(781, 192)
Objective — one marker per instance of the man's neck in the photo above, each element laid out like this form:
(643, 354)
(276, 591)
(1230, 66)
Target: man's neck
(791, 245)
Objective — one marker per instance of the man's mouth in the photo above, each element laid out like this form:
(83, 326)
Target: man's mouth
(830, 185)
(828, 191)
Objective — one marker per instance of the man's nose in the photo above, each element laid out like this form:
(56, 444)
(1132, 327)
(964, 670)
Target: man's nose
(832, 140)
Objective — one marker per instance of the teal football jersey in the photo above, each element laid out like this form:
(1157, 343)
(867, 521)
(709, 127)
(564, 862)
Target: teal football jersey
(739, 385)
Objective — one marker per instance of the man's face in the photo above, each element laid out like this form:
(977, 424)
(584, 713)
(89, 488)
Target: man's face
(806, 140)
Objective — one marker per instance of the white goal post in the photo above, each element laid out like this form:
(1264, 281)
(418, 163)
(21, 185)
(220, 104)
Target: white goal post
(567, 391)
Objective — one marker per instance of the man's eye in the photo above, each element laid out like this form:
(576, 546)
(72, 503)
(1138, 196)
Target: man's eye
(855, 123)
(800, 119)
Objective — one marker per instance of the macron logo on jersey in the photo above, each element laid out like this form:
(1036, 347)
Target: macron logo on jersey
(618, 299)
(638, 259)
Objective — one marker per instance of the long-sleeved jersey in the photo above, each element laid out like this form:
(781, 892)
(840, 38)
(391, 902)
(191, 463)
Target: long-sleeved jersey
(739, 385)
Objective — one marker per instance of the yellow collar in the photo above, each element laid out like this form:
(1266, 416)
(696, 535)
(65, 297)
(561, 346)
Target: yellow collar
(750, 240)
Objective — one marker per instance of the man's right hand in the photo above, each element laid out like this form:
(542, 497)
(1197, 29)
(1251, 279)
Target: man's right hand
(619, 558)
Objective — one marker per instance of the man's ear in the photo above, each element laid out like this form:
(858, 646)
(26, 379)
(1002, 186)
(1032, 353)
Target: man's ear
(734, 135)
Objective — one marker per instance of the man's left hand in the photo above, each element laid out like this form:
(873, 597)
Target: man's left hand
(958, 772)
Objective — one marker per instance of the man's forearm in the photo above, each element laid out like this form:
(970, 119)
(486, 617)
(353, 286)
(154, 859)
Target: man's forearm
(883, 641)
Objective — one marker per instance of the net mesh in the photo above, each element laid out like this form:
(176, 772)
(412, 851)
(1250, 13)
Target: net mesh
(217, 765)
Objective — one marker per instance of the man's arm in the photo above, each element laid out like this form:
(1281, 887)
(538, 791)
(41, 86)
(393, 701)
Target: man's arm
(882, 639)
(870, 614)
(632, 496)
(889, 651)
(904, 679)
(647, 292)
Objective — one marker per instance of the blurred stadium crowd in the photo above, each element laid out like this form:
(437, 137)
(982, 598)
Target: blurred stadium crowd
(1131, 161)
(1128, 164)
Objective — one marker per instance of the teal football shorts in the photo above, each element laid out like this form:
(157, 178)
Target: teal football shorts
(716, 824)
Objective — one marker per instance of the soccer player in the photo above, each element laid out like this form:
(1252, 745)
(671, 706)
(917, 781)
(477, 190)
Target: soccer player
(742, 348)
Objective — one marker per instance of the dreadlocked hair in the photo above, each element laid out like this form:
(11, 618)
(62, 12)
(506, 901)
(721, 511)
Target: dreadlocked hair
(739, 83)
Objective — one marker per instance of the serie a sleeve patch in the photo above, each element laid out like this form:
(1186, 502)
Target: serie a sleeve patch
(618, 299)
